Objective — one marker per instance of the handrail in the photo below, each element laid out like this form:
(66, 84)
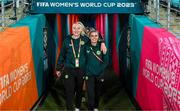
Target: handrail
(10, 13)
(165, 15)
(7, 5)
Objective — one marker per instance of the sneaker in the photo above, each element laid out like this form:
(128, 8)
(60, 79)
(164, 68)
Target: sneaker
(76, 109)
(96, 109)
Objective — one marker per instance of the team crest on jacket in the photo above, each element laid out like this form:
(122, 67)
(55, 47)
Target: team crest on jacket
(98, 52)
(87, 51)
(82, 42)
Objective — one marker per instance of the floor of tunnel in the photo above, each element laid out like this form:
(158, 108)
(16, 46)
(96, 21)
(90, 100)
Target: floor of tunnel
(114, 96)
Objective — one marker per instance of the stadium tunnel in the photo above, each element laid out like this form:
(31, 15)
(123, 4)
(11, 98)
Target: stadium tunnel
(127, 37)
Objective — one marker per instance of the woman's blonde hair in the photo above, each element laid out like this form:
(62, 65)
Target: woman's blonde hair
(82, 27)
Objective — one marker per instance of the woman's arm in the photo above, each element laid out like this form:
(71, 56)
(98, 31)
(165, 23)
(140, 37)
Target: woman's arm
(103, 45)
(62, 57)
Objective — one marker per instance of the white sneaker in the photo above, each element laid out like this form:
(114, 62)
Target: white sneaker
(76, 109)
(96, 109)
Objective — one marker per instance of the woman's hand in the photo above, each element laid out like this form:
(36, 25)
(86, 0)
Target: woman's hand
(103, 48)
(58, 74)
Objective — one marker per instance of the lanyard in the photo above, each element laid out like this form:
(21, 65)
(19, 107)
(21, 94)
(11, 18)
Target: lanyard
(79, 50)
(96, 55)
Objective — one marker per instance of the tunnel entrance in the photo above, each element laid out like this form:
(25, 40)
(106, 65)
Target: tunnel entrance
(112, 27)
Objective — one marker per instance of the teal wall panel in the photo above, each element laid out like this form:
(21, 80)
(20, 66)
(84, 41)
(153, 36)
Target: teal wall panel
(36, 23)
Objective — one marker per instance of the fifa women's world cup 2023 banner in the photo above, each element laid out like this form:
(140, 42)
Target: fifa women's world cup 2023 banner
(86, 6)
(159, 73)
(18, 89)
